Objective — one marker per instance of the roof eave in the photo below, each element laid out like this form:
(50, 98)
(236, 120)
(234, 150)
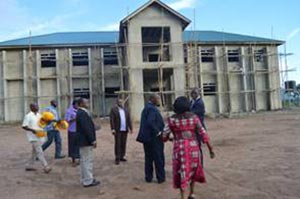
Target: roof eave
(185, 20)
(269, 43)
(9, 47)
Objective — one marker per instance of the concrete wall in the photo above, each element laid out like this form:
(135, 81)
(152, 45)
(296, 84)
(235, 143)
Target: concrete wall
(236, 92)
(23, 82)
(153, 16)
(242, 86)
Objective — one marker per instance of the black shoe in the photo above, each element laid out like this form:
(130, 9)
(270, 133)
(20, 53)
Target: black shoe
(60, 157)
(148, 181)
(123, 160)
(94, 183)
(117, 162)
(191, 197)
(161, 181)
(30, 169)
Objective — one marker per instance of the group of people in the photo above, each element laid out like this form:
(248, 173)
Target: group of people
(186, 128)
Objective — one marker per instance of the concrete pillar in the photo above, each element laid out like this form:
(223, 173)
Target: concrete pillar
(137, 87)
(1, 90)
(5, 108)
(200, 73)
(102, 89)
(70, 71)
(90, 72)
(58, 77)
(219, 79)
(38, 73)
(228, 90)
(273, 78)
(244, 76)
(252, 62)
(25, 85)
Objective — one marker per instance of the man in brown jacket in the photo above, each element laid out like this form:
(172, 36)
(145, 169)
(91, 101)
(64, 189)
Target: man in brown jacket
(121, 125)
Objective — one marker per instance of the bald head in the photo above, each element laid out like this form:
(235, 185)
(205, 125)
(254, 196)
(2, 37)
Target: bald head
(83, 103)
(53, 103)
(195, 93)
(34, 107)
(154, 99)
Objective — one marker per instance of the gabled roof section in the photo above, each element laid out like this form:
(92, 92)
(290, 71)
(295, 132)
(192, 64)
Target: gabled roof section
(217, 37)
(185, 21)
(65, 39)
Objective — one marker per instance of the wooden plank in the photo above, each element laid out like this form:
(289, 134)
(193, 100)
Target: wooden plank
(90, 71)
(25, 85)
(102, 82)
(245, 86)
(58, 90)
(38, 72)
(70, 79)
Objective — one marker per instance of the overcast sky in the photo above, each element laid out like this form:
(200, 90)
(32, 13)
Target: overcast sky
(276, 19)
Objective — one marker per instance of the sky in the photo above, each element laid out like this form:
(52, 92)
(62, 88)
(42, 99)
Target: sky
(276, 19)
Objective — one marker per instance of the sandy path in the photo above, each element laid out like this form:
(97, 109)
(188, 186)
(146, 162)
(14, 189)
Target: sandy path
(258, 157)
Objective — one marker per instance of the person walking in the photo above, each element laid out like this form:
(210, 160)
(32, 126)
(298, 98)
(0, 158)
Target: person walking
(197, 105)
(52, 132)
(187, 167)
(87, 142)
(73, 136)
(151, 128)
(120, 124)
(30, 125)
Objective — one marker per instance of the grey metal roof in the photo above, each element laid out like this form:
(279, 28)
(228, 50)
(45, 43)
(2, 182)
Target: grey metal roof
(66, 38)
(94, 38)
(221, 37)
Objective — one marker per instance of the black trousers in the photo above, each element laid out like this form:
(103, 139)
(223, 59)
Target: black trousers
(120, 144)
(154, 153)
(73, 144)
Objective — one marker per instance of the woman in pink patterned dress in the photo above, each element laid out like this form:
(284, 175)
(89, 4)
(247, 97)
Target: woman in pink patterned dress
(187, 168)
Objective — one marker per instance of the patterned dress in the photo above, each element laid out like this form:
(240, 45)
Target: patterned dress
(186, 153)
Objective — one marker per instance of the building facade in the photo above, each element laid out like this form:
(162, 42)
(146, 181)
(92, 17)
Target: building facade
(152, 52)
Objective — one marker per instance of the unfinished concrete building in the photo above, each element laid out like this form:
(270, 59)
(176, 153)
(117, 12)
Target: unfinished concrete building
(152, 52)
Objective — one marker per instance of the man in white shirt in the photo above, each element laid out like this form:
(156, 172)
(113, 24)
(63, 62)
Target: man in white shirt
(30, 124)
(120, 123)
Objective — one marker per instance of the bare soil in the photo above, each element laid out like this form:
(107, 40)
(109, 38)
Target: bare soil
(257, 157)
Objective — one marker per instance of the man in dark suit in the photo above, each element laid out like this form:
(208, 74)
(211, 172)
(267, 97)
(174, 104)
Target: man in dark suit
(120, 124)
(197, 105)
(151, 128)
(87, 142)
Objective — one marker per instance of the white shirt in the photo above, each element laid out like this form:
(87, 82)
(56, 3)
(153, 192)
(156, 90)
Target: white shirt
(122, 119)
(31, 121)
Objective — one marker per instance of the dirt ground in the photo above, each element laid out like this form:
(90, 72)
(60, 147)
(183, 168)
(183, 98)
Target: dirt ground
(258, 157)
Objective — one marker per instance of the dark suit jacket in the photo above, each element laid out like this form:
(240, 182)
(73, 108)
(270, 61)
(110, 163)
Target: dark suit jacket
(198, 108)
(151, 124)
(85, 128)
(115, 120)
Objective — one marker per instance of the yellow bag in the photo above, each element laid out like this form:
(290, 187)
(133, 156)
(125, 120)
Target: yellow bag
(62, 125)
(41, 134)
(48, 116)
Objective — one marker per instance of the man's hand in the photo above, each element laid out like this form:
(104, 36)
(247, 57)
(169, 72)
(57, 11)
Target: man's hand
(212, 154)
(97, 127)
(159, 134)
(113, 132)
(95, 145)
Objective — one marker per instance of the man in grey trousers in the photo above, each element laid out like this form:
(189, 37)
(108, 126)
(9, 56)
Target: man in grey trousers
(87, 142)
